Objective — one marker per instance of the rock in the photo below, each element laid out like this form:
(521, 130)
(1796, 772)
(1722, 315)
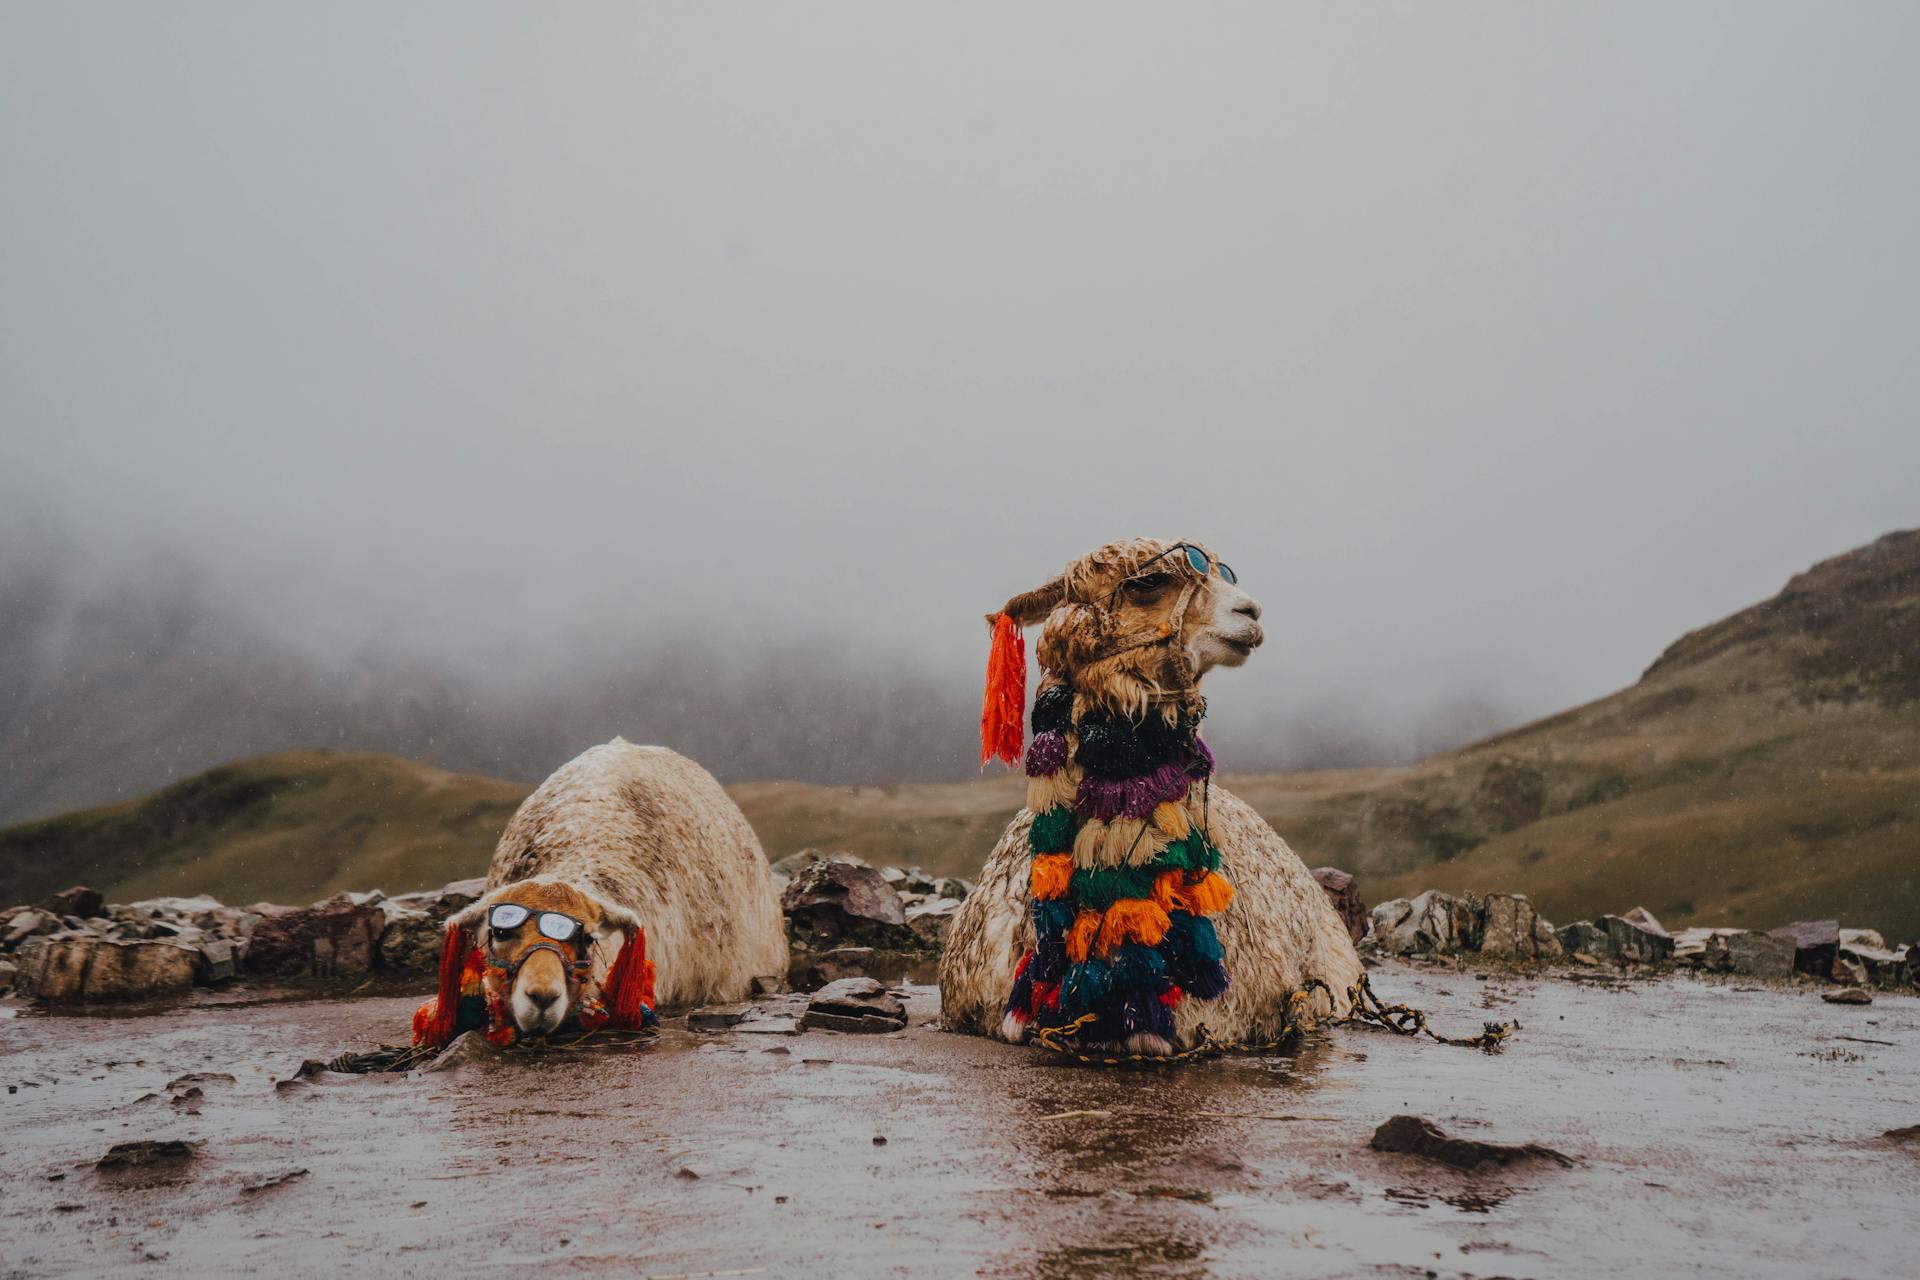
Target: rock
(1847, 969)
(82, 968)
(1865, 937)
(1432, 924)
(895, 876)
(1411, 1135)
(810, 970)
(929, 920)
(772, 984)
(762, 1024)
(1513, 929)
(1636, 941)
(78, 901)
(8, 971)
(411, 940)
(792, 864)
(1881, 967)
(956, 887)
(1641, 918)
(1340, 891)
(148, 1151)
(1758, 955)
(1814, 944)
(838, 899)
(219, 962)
(1852, 995)
(854, 1004)
(717, 1017)
(1585, 938)
(331, 939)
(917, 881)
(440, 903)
(22, 925)
(466, 1049)
(271, 1181)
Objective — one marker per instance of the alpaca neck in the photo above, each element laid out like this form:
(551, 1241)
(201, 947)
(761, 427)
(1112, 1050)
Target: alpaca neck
(1124, 875)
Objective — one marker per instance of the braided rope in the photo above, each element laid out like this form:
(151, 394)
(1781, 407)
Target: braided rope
(1365, 1008)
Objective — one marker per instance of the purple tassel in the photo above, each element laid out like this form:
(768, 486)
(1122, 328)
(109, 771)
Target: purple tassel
(1203, 758)
(1110, 798)
(1046, 754)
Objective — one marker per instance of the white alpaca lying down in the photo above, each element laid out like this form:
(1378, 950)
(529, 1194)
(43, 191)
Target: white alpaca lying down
(652, 877)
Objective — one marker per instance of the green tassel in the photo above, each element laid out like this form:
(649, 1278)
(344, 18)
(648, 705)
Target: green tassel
(1052, 831)
(1191, 854)
(1100, 889)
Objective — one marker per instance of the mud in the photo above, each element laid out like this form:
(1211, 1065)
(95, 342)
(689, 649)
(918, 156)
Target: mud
(1715, 1129)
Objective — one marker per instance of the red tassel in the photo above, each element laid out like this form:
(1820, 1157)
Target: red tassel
(628, 991)
(1001, 732)
(434, 1021)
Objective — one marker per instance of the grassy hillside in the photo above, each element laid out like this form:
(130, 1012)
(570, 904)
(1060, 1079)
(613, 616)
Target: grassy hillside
(1766, 767)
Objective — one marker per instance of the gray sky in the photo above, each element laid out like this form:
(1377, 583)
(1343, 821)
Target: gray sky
(1493, 345)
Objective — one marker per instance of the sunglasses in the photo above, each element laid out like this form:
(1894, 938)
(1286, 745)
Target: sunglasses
(1197, 560)
(551, 924)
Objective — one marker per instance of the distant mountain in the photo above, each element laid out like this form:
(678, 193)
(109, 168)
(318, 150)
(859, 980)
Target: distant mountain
(1765, 768)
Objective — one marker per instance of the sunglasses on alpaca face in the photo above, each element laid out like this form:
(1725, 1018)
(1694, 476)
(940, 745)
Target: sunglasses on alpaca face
(1196, 560)
(508, 916)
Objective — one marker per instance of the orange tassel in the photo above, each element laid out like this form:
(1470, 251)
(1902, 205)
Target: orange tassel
(1052, 875)
(1001, 732)
(628, 991)
(1210, 897)
(1131, 920)
(434, 1021)
(1080, 935)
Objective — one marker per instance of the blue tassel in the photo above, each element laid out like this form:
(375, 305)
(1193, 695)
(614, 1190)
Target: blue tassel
(1138, 968)
(1207, 981)
(1049, 960)
(1086, 987)
(1052, 917)
(1145, 1013)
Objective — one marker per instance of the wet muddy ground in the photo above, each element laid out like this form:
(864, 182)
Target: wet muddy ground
(1717, 1128)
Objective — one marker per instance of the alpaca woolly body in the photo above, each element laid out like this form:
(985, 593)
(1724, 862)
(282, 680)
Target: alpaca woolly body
(650, 831)
(1278, 931)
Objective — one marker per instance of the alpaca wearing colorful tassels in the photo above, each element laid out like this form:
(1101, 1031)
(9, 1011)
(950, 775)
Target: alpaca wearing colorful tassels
(673, 899)
(1132, 890)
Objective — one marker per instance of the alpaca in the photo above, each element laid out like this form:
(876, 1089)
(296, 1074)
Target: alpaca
(1131, 890)
(659, 871)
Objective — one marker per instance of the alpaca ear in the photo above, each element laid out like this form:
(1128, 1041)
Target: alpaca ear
(1030, 607)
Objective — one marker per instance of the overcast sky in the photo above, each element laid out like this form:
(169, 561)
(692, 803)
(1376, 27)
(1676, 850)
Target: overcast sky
(1495, 346)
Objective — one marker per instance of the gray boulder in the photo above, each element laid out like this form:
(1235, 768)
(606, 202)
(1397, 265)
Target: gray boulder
(1638, 938)
(81, 967)
(1758, 955)
(1432, 924)
(839, 899)
(1512, 929)
(1585, 938)
(338, 938)
(1814, 942)
(411, 940)
(929, 919)
(1345, 897)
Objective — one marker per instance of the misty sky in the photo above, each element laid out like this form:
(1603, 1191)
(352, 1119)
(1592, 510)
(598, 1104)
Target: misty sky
(1495, 346)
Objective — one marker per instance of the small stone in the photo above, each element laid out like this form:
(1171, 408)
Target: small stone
(1411, 1135)
(854, 1004)
(1851, 995)
(22, 925)
(957, 887)
(134, 1155)
(1585, 938)
(271, 1181)
(1876, 966)
(717, 1017)
(772, 984)
(857, 1024)
(1863, 937)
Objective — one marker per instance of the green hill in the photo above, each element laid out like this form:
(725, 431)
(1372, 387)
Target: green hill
(1765, 768)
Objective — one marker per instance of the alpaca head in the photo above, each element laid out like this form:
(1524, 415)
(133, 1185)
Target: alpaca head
(545, 978)
(1136, 624)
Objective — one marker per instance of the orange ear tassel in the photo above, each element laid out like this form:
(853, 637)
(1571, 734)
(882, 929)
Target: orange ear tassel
(628, 992)
(434, 1021)
(1001, 732)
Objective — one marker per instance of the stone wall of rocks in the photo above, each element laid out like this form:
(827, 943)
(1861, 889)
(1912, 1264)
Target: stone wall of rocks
(1506, 926)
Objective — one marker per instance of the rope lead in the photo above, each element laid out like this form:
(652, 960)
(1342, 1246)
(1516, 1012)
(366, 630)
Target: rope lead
(1365, 1007)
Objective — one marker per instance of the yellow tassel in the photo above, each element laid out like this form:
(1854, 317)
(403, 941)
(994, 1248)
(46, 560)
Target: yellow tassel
(1056, 789)
(1088, 841)
(1171, 819)
(1052, 874)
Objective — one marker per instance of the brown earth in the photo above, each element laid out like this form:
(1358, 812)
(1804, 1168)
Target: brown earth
(1765, 767)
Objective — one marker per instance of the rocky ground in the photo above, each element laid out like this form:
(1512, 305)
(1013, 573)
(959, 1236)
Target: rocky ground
(1685, 1124)
(1711, 1102)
